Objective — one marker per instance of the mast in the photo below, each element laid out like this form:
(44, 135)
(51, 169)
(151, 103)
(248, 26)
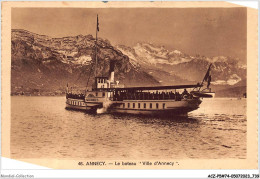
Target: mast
(95, 72)
(97, 29)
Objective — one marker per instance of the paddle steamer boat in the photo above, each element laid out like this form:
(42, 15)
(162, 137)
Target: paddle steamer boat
(108, 96)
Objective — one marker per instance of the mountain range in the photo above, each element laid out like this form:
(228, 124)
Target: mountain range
(41, 64)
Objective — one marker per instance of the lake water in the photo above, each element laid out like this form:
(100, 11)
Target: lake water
(41, 127)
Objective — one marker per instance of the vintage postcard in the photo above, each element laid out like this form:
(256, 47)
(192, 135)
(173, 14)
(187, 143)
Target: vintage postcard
(130, 85)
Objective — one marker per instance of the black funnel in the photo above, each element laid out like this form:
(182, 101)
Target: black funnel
(112, 66)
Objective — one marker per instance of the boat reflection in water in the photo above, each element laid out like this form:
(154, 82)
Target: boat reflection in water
(164, 120)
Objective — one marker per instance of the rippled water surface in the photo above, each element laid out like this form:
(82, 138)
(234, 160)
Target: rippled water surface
(42, 128)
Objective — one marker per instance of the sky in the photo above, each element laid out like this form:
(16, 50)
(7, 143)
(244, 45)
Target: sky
(205, 31)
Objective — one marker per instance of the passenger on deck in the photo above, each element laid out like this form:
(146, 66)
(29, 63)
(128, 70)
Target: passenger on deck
(172, 95)
(185, 92)
(177, 96)
(163, 95)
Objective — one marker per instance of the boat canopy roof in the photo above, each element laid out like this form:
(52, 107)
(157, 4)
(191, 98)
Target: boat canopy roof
(152, 88)
(159, 87)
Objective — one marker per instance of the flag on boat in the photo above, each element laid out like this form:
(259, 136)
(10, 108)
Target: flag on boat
(209, 80)
(207, 74)
(207, 77)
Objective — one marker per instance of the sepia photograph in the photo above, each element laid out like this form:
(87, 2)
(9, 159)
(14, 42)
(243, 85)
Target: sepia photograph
(138, 87)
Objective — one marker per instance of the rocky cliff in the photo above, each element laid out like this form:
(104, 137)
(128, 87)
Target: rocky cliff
(44, 64)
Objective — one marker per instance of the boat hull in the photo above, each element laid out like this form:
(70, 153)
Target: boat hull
(81, 105)
(144, 107)
(212, 94)
(162, 107)
(204, 94)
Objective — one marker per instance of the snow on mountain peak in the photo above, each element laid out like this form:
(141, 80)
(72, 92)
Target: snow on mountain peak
(84, 60)
(177, 52)
(233, 79)
(243, 66)
(151, 54)
(226, 70)
(217, 59)
(130, 53)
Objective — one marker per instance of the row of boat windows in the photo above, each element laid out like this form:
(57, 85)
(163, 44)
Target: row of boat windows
(101, 80)
(144, 105)
(78, 103)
